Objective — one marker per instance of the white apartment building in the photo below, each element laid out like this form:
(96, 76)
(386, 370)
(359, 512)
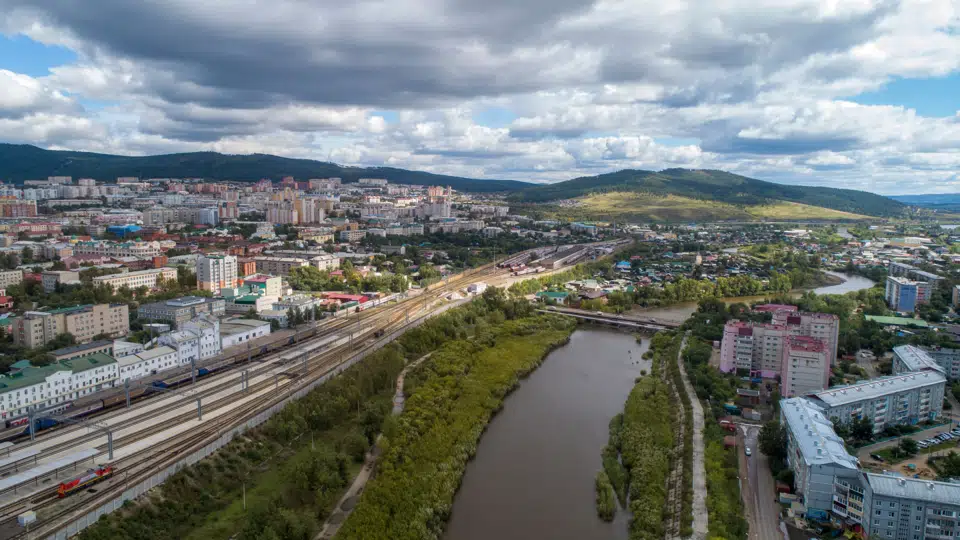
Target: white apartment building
(215, 272)
(887, 401)
(207, 330)
(326, 262)
(54, 385)
(816, 454)
(140, 250)
(404, 230)
(10, 277)
(278, 266)
(140, 278)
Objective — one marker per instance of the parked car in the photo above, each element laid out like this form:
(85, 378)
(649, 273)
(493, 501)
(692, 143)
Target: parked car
(922, 444)
(748, 452)
(876, 457)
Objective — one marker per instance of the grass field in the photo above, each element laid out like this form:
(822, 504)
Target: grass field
(648, 207)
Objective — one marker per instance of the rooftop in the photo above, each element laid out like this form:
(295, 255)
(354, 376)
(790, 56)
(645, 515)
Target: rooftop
(915, 358)
(897, 321)
(145, 355)
(816, 440)
(879, 387)
(805, 343)
(914, 488)
(237, 326)
(83, 347)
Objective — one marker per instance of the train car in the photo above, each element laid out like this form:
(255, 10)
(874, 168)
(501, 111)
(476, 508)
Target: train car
(84, 481)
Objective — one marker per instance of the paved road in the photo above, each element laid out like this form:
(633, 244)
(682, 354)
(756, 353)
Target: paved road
(864, 452)
(700, 514)
(757, 487)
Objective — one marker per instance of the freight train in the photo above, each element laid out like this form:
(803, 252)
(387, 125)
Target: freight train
(91, 405)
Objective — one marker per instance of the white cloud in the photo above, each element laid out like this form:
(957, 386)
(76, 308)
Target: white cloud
(756, 87)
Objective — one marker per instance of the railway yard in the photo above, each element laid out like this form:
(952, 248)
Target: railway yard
(72, 473)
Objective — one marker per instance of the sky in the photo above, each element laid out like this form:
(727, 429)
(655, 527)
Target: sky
(844, 93)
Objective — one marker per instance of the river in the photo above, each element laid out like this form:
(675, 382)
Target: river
(680, 312)
(533, 475)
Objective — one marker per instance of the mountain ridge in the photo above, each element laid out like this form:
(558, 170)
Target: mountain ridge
(24, 162)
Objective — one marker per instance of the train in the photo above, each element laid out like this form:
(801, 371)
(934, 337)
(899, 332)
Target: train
(87, 406)
(92, 476)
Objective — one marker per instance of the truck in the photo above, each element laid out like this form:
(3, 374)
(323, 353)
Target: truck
(731, 408)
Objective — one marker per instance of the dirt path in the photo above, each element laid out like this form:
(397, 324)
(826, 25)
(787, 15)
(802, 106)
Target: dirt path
(350, 498)
(700, 513)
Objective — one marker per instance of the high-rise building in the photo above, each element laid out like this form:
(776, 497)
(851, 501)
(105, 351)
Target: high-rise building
(215, 272)
(805, 366)
(823, 326)
(903, 294)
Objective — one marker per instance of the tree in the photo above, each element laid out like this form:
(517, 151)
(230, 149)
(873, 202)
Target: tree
(908, 446)
(861, 429)
(773, 440)
(274, 325)
(292, 321)
(27, 255)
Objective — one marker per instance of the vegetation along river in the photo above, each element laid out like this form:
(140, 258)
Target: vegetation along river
(534, 470)
(533, 475)
(681, 311)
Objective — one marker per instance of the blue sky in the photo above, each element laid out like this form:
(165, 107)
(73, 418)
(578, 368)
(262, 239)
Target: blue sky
(861, 95)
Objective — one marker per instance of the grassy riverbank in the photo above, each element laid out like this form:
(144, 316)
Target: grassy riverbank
(426, 449)
(297, 465)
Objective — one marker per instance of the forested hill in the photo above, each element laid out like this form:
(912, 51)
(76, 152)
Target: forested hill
(25, 162)
(714, 185)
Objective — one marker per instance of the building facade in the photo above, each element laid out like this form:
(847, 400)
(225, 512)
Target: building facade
(903, 294)
(887, 401)
(816, 454)
(37, 328)
(180, 310)
(54, 385)
(804, 366)
(215, 272)
(141, 278)
(279, 266)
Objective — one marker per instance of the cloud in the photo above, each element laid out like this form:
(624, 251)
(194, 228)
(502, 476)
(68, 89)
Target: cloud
(756, 87)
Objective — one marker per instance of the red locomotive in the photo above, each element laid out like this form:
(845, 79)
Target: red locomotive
(83, 481)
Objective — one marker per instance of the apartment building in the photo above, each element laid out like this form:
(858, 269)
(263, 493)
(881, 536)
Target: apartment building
(10, 277)
(53, 386)
(271, 286)
(903, 294)
(141, 278)
(908, 359)
(351, 235)
(409, 229)
(948, 359)
(816, 455)
(36, 328)
(823, 326)
(215, 272)
(887, 401)
(900, 508)
(326, 262)
(51, 278)
(180, 310)
(199, 339)
(805, 366)
(279, 266)
(898, 269)
(140, 250)
(755, 347)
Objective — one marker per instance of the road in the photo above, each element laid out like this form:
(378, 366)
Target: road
(757, 487)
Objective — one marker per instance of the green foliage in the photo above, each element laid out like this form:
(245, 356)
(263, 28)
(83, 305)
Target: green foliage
(616, 473)
(716, 186)
(310, 278)
(773, 440)
(456, 391)
(606, 507)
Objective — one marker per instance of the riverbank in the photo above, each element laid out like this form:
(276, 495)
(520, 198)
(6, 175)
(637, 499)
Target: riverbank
(453, 396)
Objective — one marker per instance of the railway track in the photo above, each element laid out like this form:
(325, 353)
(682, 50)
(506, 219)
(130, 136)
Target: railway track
(325, 361)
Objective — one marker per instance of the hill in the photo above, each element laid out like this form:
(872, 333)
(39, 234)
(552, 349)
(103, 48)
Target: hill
(25, 162)
(633, 206)
(710, 185)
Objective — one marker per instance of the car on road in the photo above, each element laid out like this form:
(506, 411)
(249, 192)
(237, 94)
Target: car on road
(748, 452)
(922, 444)
(876, 457)
(599, 313)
